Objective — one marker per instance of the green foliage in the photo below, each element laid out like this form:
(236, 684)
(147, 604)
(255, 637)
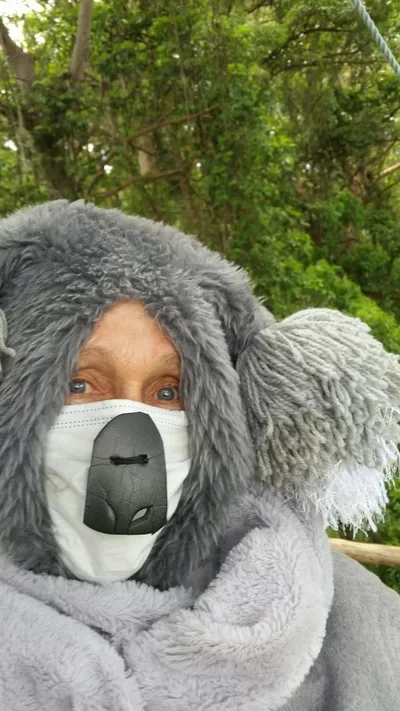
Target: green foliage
(270, 130)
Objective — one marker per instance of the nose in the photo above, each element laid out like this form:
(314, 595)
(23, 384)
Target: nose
(131, 390)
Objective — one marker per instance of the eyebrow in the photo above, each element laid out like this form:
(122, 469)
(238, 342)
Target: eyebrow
(106, 356)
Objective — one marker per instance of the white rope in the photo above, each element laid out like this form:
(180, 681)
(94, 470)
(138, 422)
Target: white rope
(376, 36)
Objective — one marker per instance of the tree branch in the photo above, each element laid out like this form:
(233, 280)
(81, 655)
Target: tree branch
(298, 35)
(365, 167)
(317, 63)
(258, 5)
(387, 171)
(80, 52)
(7, 111)
(99, 173)
(372, 553)
(21, 63)
(170, 122)
(137, 179)
(390, 186)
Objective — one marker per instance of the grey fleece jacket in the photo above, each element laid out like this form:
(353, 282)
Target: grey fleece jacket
(277, 628)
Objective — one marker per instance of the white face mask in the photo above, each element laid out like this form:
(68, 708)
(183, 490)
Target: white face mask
(70, 463)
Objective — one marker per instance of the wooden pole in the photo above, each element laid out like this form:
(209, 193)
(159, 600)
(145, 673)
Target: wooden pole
(373, 553)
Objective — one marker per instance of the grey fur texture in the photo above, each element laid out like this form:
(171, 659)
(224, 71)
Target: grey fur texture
(268, 633)
(4, 351)
(246, 643)
(303, 403)
(324, 400)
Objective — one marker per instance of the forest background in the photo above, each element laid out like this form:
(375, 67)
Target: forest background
(269, 129)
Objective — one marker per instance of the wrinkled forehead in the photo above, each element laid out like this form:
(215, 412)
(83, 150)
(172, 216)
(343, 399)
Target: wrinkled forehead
(129, 343)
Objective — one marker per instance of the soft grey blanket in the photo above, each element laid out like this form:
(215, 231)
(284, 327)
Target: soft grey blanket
(263, 634)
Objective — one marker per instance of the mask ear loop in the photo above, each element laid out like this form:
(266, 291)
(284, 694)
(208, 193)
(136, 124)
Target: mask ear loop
(4, 350)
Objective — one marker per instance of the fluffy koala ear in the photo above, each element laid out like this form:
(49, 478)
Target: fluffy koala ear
(323, 404)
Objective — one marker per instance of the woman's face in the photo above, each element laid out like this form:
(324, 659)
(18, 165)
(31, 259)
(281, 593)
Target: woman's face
(127, 357)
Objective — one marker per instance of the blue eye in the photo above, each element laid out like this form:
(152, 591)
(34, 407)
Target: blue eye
(77, 387)
(167, 393)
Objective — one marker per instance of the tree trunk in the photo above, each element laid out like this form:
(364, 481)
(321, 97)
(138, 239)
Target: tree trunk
(21, 63)
(147, 154)
(80, 52)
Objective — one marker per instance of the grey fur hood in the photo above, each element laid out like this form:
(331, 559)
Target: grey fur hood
(292, 426)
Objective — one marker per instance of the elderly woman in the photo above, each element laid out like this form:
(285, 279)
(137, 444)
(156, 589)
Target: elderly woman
(170, 457)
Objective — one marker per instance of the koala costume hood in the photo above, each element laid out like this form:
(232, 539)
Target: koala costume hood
(292, 427)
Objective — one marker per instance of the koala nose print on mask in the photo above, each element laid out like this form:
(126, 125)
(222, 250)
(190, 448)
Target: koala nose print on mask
(114, 472)
(127, 481)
